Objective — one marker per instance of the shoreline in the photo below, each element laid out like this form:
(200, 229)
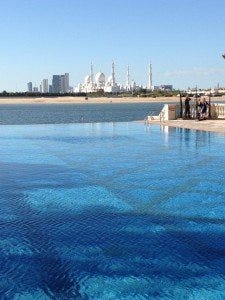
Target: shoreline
(81, 100)
(217, 126)
(100, 100)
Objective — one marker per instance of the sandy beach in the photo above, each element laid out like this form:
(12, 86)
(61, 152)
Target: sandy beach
(80, 100)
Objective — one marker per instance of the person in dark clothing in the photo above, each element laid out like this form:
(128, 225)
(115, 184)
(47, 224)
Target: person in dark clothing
(203, 109)
(187, 113)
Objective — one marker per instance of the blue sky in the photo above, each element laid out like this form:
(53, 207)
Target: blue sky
(183, 39)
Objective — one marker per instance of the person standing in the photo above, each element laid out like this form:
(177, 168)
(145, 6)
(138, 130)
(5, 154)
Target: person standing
(203, 109)
(187, 112)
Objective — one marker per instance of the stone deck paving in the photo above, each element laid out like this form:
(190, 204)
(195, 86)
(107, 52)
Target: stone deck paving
(206, 125)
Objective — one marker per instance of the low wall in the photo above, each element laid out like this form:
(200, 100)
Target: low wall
(172, 112)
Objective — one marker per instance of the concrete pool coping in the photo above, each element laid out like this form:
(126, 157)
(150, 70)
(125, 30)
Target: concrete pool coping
(205, 125)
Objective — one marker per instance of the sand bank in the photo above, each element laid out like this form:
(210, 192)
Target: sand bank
(80, 100)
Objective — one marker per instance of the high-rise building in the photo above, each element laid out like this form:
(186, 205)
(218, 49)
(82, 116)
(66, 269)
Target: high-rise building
(45, 88)
(30, 87)
(149, 84)
(56, 84)
(60, 83)
(67, 82)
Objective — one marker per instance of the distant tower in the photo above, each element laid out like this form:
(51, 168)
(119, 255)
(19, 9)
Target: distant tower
(128, 76)
(45, 86)
(92, 75)
(66, 82)
(30, 87)
(113, 74)
(149, 86)
(56, 84)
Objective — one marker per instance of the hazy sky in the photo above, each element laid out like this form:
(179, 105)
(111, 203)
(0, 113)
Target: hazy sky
(184, 40)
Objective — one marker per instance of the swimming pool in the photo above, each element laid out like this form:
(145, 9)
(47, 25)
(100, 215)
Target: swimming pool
(111, 211)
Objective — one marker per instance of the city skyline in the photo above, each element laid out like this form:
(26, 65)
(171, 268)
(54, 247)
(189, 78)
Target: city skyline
(59, 84)
(94, 82)
(183, 40)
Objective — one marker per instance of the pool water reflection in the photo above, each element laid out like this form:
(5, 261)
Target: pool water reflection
(111, 211)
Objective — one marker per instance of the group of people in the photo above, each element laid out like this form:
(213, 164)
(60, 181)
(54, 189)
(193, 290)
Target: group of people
(201, 108)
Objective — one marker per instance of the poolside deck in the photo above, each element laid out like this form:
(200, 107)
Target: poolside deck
(206, 125)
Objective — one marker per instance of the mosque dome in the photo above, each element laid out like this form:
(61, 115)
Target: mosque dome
(87, 79)
(100, 77)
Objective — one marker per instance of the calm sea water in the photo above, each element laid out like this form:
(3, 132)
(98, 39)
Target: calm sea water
(111, 211)
(75, 113)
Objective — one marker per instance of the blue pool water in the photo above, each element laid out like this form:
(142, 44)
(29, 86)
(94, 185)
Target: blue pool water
(111, 211)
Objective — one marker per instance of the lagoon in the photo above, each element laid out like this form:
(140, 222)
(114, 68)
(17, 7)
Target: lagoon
(11, 114)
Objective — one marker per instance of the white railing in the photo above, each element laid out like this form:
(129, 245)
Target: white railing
(219, 110)
(192, 111)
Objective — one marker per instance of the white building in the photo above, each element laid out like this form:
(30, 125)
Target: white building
(98, 82)
(45, 86)
(149, 84)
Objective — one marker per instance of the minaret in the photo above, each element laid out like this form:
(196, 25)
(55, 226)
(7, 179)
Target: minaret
(128, 77)
(113, 74)
(92, 75)
(149, 86)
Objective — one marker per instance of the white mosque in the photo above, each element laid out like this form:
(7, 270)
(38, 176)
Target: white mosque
(98, 82)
